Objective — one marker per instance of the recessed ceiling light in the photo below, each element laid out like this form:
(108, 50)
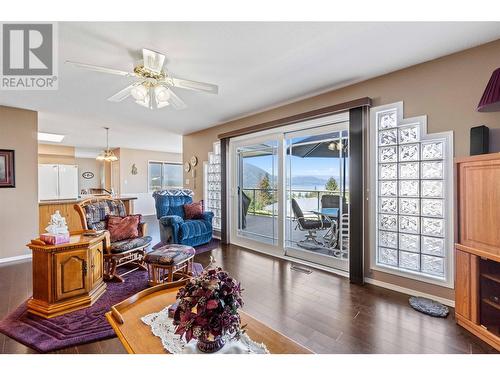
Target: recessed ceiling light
(49, 137)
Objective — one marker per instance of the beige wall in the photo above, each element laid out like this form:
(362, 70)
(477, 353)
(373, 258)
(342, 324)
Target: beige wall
(89, 165)
(447, 90)
(56, 154)
(139, 183)
(19, 205)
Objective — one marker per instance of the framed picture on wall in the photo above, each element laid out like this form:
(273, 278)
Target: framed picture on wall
(7, 172)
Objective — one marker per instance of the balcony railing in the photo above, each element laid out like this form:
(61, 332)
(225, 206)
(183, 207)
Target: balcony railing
(264, 201)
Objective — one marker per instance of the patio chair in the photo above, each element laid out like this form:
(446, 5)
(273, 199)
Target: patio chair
(245, 201)
(330, 201)
(308, 224)
(333, 201)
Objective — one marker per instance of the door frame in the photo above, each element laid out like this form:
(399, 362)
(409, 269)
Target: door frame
(279, 133)
(232, 194)
(296, 253)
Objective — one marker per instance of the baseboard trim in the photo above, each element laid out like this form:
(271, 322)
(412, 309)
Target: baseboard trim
(411, 292)
(15, 259)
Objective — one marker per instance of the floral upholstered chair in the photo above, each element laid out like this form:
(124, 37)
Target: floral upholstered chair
(174, 227)
(93, 213)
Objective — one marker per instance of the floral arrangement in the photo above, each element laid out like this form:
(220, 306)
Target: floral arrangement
(208, 307)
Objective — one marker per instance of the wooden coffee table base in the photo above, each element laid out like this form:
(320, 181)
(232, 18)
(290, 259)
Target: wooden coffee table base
(137, 338)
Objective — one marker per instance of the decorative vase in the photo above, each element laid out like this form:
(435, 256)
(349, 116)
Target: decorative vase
(211, 346)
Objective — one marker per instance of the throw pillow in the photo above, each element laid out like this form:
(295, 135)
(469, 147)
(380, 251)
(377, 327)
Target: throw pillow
(123, 228)
(193, 211)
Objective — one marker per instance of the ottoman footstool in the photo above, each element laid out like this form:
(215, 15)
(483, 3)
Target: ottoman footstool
(169, 263)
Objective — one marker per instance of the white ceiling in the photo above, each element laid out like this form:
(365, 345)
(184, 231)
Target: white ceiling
(256, 65)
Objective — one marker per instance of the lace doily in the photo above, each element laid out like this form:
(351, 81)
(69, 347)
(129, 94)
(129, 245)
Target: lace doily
(162, 326)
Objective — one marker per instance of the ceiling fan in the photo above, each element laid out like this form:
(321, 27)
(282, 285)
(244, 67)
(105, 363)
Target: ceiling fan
(153, 88)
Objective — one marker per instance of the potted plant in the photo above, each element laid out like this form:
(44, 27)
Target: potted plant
(207, 310)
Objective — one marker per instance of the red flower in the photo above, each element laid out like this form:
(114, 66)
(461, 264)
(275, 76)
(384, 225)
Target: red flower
(212, 304)
(208, 305)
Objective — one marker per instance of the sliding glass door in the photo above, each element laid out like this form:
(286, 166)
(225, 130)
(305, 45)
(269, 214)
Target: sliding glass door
(257, 177)
(317, 195)
(289, 193)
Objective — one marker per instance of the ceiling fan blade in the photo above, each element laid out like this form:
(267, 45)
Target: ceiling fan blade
(101, 69)
(152, 60)
(175, 101)
(195, 85)
(122, 94)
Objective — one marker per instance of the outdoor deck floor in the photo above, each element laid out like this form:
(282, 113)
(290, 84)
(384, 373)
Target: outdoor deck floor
(265, 228)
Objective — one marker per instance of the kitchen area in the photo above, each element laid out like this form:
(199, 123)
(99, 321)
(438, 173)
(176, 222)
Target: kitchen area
(67, 176)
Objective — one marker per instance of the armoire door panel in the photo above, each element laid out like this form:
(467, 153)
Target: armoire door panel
(479, 187)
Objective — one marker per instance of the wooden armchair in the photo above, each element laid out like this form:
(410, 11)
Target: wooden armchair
(93, 212)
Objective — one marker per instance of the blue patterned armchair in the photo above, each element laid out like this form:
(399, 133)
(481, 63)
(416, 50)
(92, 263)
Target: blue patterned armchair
(173, 227)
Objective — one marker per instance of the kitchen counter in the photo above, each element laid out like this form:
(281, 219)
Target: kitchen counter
(78, 200)
(65, 207)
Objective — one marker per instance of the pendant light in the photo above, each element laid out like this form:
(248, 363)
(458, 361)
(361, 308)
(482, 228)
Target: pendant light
(107, 155)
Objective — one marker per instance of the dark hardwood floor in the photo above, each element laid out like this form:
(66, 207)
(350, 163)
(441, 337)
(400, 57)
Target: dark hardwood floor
(322, 311)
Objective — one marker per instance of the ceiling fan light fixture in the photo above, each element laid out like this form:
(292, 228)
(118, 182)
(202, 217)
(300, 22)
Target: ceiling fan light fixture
(162, 95)
(139, 93)
(144, 102)
(161, 104)
(154, 87)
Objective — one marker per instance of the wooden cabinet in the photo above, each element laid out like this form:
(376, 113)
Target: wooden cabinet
(71, 273)
(477, 252)
(462, 283)
(96, 263)
(66, 277)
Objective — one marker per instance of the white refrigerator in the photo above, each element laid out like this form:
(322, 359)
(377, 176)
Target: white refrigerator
(57, 181)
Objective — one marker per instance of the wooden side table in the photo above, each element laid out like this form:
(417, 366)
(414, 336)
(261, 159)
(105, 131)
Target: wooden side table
(67, 277)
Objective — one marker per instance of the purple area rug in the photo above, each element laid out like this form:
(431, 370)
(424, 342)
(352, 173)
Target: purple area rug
(78, 327)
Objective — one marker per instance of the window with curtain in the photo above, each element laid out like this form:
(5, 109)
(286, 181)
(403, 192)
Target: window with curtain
(164, 175)
(412, 196)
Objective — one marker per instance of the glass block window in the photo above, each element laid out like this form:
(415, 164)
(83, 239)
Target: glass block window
(411, 189)
(213, 185)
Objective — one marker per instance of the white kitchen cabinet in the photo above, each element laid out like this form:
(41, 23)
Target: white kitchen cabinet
(57, 181)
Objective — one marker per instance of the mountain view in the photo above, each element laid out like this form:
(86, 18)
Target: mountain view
(253, 175)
